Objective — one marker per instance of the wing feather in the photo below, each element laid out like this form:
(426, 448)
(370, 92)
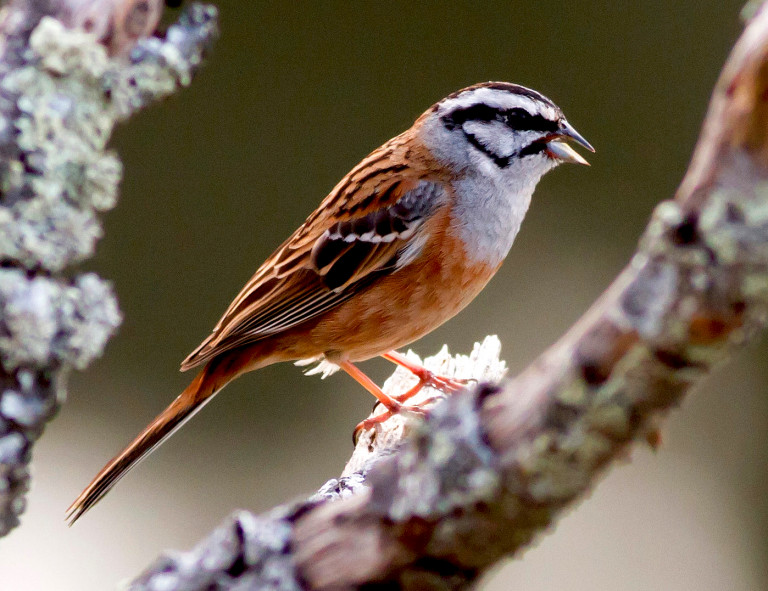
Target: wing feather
(356, 235)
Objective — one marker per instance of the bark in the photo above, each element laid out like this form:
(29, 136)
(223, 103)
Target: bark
(494, 466)
(69, 71)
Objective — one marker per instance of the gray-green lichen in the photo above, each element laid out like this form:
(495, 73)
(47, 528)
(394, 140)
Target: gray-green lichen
(703, 266)
(735, 228)
(69, 96)
(444, 466)
(62, 174)
(47, 321)
(647, 301)
(61, 94)
(247, 552)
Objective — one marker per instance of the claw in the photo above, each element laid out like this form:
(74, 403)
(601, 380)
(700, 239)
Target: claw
(430, 380)
(373, 421)
(446, 385)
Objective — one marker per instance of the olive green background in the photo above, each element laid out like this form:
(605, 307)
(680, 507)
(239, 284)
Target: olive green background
(294, 95)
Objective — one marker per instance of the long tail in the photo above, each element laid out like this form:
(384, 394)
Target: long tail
(207, 383)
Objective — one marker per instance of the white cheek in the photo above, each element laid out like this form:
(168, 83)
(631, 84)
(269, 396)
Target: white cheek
(500, 139)
(495, 136)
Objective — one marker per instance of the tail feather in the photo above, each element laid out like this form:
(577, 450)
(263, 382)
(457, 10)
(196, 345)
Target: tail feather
(191, 400)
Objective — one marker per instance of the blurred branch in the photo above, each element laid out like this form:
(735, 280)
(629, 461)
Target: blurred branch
(65, 79)
(493, 467)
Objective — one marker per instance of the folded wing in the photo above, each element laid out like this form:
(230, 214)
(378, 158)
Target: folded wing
(355, 239)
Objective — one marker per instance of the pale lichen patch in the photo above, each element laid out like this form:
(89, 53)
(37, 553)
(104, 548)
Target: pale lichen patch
(59, 103)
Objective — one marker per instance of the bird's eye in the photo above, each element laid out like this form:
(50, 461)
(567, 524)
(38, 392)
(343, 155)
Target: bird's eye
(517, 118)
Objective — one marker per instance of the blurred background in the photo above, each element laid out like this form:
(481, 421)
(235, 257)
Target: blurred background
(294, 95)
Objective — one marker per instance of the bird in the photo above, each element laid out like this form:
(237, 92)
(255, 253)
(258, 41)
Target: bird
(399, 246)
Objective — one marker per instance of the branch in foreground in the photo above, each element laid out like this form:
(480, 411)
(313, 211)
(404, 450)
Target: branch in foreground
(263, 543)
(493, 467)
(61, 93)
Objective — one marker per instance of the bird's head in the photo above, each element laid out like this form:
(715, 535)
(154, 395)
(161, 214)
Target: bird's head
(500, 129)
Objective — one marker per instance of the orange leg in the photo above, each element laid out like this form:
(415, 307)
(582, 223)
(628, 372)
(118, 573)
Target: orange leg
(426, 377)
(393, 406)
(390, 403)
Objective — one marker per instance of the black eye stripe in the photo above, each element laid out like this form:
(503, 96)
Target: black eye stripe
(518, 119)
(521, 119)
(500, 161)
(478, 112)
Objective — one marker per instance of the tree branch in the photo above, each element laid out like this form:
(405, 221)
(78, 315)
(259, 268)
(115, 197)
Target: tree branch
(494, 466)
(62, 90)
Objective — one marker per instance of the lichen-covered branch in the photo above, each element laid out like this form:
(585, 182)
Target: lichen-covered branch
(69, 71)
(493, 467)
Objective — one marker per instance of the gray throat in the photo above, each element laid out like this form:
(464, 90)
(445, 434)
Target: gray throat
(488, 213)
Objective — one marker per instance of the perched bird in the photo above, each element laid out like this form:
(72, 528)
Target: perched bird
(405, 241)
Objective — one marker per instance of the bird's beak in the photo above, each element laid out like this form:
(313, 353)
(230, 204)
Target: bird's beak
(560, 150)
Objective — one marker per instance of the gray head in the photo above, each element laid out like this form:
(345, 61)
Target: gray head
(500, 129)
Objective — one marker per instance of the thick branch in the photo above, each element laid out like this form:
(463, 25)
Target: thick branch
(493, 467)
(61, 92)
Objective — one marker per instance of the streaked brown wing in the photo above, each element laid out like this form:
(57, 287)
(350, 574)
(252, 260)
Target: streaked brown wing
(328, 259)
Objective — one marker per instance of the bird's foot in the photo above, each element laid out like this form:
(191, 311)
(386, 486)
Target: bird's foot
(371, 422)
(427, 379)
(395, 404)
